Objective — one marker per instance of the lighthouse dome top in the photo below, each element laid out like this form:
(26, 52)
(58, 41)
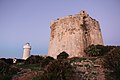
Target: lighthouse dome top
(27, 45)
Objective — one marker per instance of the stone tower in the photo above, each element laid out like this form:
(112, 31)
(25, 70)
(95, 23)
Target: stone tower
(73, 34)
(26, 52)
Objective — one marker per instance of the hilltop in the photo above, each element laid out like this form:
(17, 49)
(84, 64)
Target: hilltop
(101, 63)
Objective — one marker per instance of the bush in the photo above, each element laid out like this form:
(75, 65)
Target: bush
(20, 61)
(7, 71)
(40, 60)
(34, 59)
(93, 50)
(97, 50)
(58, 70)
(112, 62)
(8, 61)
(2, 59)
(62, 55)
(46, 61)
(4, 67)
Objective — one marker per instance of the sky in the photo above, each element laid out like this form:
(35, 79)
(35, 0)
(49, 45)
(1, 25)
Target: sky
(23, 21)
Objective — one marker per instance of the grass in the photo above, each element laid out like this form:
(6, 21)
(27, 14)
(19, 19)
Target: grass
(29, 66)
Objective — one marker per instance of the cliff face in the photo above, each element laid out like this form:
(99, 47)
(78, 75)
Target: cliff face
(73, 34)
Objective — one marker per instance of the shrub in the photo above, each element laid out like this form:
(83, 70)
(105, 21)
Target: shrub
(34, 59)
(2, 59)
(58, 70)
(93, 50)
(9, 61)
(62, 55)
(46, 61)
(20, 60)
(7, 71)
(97, 50)
(4, 67)
(112, 62)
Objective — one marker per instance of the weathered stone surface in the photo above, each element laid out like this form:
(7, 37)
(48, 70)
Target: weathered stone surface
(73, 34)
(88, 70)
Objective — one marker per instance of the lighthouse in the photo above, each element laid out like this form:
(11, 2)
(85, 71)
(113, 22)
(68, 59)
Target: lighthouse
(26, 51)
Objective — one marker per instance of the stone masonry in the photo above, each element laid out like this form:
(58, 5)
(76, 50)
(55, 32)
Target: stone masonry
(73, 34)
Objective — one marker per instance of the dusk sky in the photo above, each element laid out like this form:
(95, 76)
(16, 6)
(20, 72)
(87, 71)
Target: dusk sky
(24, 21)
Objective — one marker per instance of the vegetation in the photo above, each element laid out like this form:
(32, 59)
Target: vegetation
(93, 50)
(7, 71)
(97, 50)
(62, 55)
(112, 63)
(79, 59)
(46, 61)
(34, 59)
(39, 60)
(8, 61)
(57, 70)
(111, 59)
(29, 66)
(48, 68)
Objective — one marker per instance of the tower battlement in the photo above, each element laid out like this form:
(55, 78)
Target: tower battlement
(73, 34)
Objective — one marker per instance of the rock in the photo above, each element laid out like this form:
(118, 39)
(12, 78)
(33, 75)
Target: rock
(87, 70)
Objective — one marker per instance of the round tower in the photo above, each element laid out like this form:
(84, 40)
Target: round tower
(73, 34)
(26, 51)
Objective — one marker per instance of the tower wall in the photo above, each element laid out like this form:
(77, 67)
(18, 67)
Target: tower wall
(26, 51)
(73, 34)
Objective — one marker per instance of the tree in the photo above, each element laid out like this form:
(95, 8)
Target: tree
(62, 55)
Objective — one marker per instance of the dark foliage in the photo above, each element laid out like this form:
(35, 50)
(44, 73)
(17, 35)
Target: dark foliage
(20, 60)
(34, 59)
(6, 71)
(2, 59)
(57, 70)
(42, 61)
(94, 50)
(112, 62)
(111, 59)
(8, 61)
(97, 50)
(63, 55)
(4, 67)
(46, 61)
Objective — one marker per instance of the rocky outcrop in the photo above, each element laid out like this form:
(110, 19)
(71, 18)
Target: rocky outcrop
(73, 34)
(88, 70)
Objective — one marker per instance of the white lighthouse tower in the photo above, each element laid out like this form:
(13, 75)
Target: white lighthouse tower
(26, 52)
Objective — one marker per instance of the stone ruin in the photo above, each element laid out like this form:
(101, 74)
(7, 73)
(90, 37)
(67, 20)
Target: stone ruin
(73, 34)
